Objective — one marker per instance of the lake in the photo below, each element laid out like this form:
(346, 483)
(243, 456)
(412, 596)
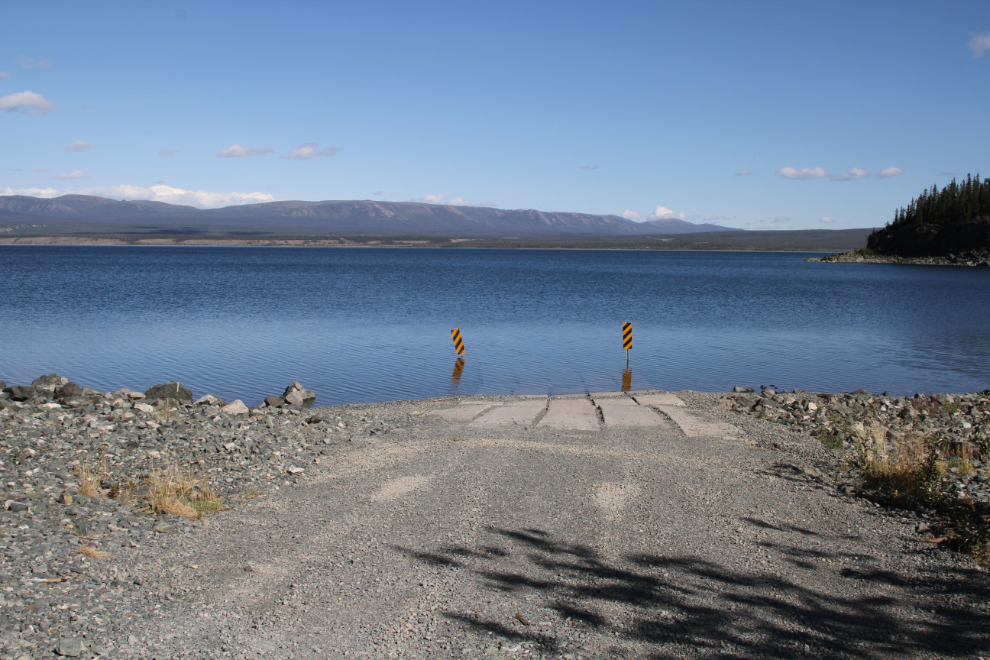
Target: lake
(366, 324)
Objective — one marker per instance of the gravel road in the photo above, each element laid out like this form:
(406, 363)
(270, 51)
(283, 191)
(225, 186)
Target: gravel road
(443, 537)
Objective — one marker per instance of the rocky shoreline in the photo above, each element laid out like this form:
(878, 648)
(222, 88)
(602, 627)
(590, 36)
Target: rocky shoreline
(83, 470)
(927, 455)
(78, 466)
(858, 257)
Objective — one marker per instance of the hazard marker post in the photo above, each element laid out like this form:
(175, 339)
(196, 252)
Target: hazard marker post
(458, 342)
(627, 340)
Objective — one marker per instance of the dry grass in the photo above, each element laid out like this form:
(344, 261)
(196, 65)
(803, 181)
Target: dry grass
(907, 468)
(89, 483)
(90, 551)
(174, 491)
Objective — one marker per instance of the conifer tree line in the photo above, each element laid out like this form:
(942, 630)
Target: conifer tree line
(956, 203)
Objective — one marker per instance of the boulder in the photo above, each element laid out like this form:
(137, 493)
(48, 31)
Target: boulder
(22, 392)
(3, 385)
(70, 389)
(321, 416)
(171, 390)
(274, 401)
(296, 395)
(210, 400)
(236, 407)
(49, 382)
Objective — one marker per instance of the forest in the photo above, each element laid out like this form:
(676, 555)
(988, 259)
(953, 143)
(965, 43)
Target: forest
(956, 203)
(952, 221)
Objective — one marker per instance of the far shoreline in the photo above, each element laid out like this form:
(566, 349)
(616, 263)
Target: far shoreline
(333, 243)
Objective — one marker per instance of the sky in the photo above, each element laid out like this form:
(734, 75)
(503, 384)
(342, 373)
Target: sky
(756, 115)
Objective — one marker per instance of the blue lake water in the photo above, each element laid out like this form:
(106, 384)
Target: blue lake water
(365, 324)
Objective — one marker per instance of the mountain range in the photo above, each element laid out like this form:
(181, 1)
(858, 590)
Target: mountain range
(329, 217)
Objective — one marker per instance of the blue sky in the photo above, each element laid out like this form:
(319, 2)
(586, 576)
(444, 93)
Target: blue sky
(747, 114)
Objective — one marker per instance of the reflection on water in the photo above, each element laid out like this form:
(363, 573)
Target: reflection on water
(455, 378)
(243, 323)
(627, 377)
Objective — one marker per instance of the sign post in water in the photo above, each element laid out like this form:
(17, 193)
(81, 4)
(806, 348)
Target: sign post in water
(627, 340)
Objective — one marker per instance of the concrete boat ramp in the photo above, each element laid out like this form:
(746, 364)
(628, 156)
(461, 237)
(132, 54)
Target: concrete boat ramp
(589, 412)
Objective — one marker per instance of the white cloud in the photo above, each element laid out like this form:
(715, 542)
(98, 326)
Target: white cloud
(310, 150)
(449, 201)
(663, 213)
(78, 145)
(827, 220)
(167, 152)
(806, 173)
(853, 174)
(979, 44)
(161, 193)
(890, 171)
(31, 63)
(237, 151)
(632, 215)
(75, 174)
(780, 219)
(4, 75)
(744, 173)
(34, 104)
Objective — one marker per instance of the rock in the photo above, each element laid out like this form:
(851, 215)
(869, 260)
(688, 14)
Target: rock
(295, 470)
(296, 395)
(274, 401)
(3, 385)
(136, 396)
(49, 382)
(77, 401)
(739, 389)
(16, 507)
(68, 390)
(170, 390)
(22, 392)
(236, 407)
(210, 400)
(163, 528)
(144, 407)
(71, 647)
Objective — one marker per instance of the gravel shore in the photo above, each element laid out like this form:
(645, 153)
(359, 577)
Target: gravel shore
(386, 530)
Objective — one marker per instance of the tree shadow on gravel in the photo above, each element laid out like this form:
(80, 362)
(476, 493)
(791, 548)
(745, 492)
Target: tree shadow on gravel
(678, 605)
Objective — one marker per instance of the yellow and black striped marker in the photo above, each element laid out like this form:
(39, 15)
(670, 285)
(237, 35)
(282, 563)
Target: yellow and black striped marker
(458, 342)
(627, 336)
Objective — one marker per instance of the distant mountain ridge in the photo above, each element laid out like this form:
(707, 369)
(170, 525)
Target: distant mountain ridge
(332, 216)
